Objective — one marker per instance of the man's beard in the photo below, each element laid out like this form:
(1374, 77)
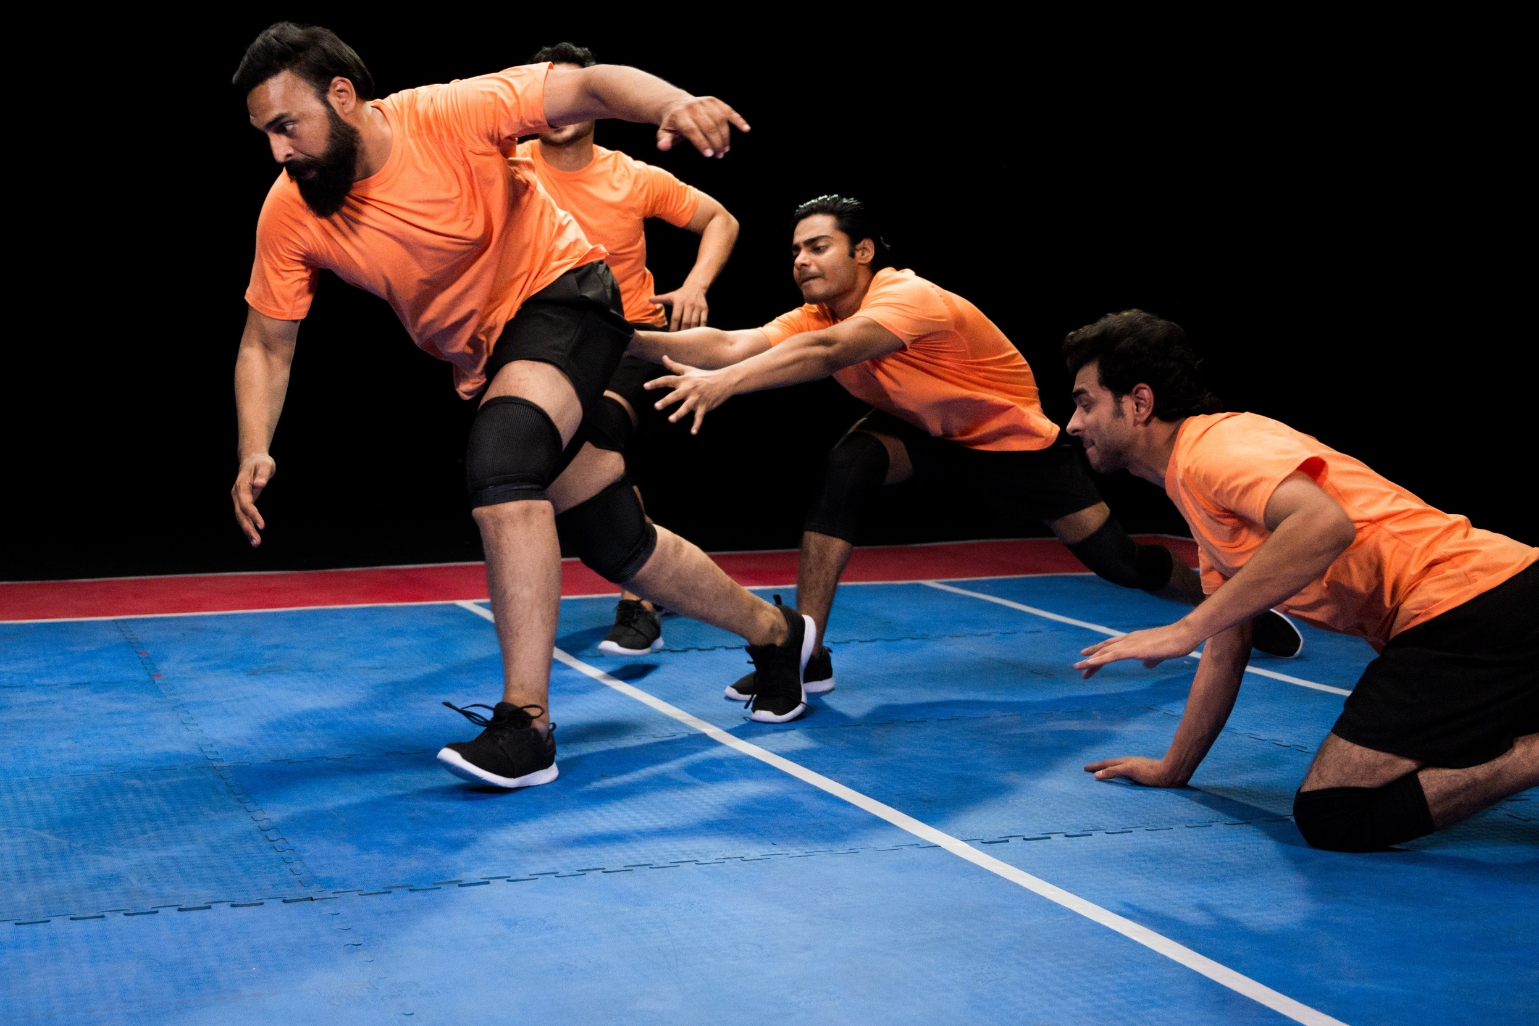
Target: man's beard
(325, 191)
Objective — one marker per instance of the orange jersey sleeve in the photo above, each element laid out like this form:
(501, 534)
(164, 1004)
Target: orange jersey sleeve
(810, 317)
(489, 109)
(906, 305)
(1409, 562)
(665, 196)
(284, 274)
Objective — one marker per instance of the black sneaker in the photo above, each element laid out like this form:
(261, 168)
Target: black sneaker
(637, 631)
(817, 679)
(1276, 635)
(510, 752)
(778, 670)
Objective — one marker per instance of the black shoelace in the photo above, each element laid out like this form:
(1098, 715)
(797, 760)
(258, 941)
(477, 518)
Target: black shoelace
(482, 721)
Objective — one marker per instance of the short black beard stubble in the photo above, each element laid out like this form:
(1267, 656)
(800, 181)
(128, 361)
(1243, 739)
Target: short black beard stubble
(327, 190)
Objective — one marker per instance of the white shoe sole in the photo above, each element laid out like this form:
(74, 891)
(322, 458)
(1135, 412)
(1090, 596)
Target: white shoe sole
(809, 642)
(809, 687)
(455, 763)
(610, 648)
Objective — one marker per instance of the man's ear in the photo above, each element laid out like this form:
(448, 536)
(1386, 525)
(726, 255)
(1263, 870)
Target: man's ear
(342, 95)
(1143, 403)
(865, 251)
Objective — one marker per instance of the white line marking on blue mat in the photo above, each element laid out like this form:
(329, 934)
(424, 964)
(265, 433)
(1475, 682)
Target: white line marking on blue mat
(1159, 943)
(1034, 611)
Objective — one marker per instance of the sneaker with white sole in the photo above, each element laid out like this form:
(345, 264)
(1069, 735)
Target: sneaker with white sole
(817, 679)
(511, 752)
(778, 670)
(637, 631)
(1276, 635)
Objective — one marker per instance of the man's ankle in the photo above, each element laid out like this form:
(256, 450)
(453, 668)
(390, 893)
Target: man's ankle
(773, 630)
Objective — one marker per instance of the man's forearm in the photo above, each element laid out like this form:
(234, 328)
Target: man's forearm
(1298, 552)
(624, 93)
(789, 363)
(716, 244)
(1214, 689)
(261, 381)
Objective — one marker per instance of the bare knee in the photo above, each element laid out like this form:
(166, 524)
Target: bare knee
(591, 472)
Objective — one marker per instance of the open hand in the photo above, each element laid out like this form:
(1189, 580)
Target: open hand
(688, 308)
(1150, 647)
(1149, 772)
(703, 120)
(696, 391)
(255, 472)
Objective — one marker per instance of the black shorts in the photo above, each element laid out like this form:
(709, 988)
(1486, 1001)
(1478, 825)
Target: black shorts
(576, 323)
(1044, 484)
(1454, 691)
(629, 378)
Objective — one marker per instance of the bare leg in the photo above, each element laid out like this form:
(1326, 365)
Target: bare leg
(1452, 794)
(685, 579)
(822, 560)
(523, 557)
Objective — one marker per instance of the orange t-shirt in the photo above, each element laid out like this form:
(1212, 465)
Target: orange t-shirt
(1409, 563)
(611, 198)
(957, 375)
(450, 232)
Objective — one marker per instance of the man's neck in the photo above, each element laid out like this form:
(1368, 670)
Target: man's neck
(846, 305)
(376, 142)
(574, 156)
(1152, 460)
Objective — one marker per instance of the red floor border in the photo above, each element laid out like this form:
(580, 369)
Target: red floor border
(215, 593)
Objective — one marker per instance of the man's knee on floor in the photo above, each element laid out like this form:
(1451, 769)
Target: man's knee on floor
(1358, 819)
(513, 452)
(855, 468)
(609, 532)
(1115, 557)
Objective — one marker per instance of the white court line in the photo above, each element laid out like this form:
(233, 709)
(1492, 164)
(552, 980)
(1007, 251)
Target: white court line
(1034, 611)
(1156, 942)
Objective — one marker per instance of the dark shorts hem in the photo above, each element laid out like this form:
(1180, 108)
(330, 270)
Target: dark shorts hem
(1044, 483)
(1455, 691)
(576, 323)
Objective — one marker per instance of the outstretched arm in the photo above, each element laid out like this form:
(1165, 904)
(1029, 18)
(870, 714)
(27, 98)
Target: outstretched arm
(573, 95)
(699, 347)
(1208, 705)
(805, 357)
(261, 381)
(1309, 530)
(718, 234)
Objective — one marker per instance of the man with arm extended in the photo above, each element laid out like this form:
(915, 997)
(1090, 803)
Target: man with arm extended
(413, 198)
(1445, 722)
(611, 195)
(952, 395)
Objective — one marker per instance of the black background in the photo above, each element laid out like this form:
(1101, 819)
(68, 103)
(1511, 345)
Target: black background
(1333, 212)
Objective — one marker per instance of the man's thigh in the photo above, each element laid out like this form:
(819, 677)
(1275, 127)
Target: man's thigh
(1340, 763)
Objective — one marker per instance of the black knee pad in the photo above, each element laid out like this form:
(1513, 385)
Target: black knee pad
(514, 451)
(609, 532)
(1363, 818)
(607, 425)
(1112, 555)
(856, 467)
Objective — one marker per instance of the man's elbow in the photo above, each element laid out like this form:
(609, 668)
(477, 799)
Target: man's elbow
(1343, 532)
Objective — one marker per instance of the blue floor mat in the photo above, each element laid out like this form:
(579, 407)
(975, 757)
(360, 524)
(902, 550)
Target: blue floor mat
(278, 768)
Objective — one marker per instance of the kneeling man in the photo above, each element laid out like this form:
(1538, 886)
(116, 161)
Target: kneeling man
(1445, 722)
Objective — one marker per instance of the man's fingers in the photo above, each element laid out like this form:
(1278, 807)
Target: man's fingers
(676, 317)
(1093, 649)
(666, 139)
(673, 365)
(699, 419)
(1101, 764)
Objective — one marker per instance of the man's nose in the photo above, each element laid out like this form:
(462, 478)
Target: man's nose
(283, 151)
(1074, 422)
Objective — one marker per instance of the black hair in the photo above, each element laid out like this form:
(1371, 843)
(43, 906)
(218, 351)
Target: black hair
(565, 53)
(853, 219)
(1138, 348)
(313, 53)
